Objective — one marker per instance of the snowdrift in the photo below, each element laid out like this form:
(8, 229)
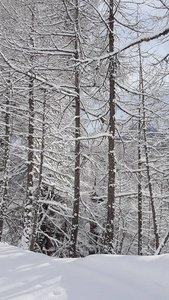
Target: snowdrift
(29, 276)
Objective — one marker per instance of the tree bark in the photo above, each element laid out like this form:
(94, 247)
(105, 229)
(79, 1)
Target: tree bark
(4, 201)
(154, 218)
(36, 204)
(75, 217)
(140, 221)
(28, 214)
(109, 234)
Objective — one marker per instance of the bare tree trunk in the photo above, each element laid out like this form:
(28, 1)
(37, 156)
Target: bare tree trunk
(109, 234)
(36, 204)
(28, 214)
(75, 217)
(156, 235)
(4, 201)
(140, 221)
(94, 235)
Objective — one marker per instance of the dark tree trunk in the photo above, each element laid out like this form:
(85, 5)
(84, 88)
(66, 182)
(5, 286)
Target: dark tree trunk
(156, 235)
(4, 202)
(75, 217)
(140, 221)
(28, 214)
(140, 234)
(94, 235)
(109, 234)
(36, 204)
(94, 238)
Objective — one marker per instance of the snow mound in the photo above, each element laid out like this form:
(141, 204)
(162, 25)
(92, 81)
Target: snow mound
(30, 276)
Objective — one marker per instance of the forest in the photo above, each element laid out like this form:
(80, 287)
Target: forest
(84, 126)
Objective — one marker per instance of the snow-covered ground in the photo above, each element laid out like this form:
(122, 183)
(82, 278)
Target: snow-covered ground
(30, 276)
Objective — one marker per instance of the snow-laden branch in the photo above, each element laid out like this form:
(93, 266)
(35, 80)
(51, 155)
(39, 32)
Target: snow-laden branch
(163, 242)
(58, 88)
(143, 38)
(147, 37)
(92, 137)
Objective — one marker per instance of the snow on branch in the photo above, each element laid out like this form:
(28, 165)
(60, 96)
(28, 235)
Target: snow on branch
(147, 37)
(58, 88)
(143, 38)
(163, 242)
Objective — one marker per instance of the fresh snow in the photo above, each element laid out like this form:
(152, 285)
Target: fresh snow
(146, 37)
(31, 276)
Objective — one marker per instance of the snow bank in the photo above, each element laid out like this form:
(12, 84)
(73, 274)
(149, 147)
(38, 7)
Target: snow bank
(30, 276)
